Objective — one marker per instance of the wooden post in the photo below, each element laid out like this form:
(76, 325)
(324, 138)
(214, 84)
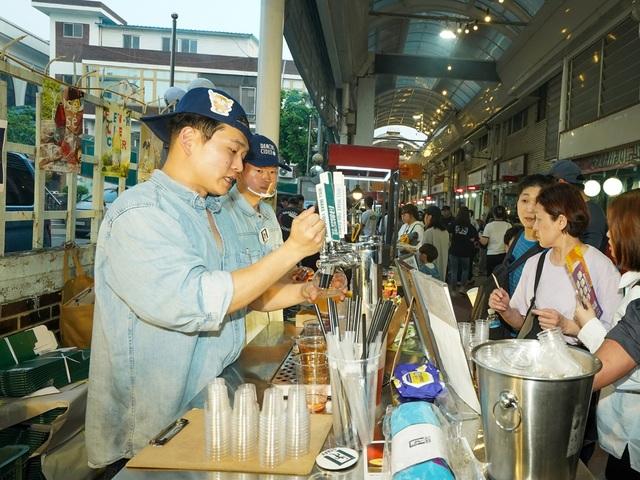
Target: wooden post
(39, 185)
(72, 193)
(98, 179)
(3, 165)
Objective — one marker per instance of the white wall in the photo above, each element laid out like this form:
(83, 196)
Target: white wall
(62, 67)
(207, 44)
(612, 131)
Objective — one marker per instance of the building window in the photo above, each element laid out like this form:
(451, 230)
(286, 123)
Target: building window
(483, 142)
(248, 99)
(541, 109)
(188, 46)
(68, 79)
(166, 44)
(605, 77)
(517, 122)
(130, 41)
(73, 30)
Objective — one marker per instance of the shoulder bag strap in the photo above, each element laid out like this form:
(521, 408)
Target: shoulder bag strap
(529, 317)
(524, 257)
(75, 254)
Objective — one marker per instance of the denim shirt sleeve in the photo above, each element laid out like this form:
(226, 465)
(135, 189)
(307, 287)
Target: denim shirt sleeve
(153, 266)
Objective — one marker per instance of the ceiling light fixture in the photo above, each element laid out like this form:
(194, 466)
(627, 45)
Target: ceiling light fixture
(459, 29)
(487, 17)
(447, 34)
(466, 29)
(357, 193)
(475, 27)
(444, 92)
(449, 67)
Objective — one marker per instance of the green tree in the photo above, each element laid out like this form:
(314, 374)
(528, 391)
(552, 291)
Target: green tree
(22, 125)
(296, 108)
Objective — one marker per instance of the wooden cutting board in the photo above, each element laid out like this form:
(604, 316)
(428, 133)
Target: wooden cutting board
(186, 451)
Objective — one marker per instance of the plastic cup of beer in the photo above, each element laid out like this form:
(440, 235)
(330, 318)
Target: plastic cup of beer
(312, 371)
(311, 343)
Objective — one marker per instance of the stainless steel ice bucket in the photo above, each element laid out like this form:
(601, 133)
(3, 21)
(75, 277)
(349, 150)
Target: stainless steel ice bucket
(533, 427)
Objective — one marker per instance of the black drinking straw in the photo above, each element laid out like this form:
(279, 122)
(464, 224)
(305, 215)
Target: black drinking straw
(364, 337)
(320, 321)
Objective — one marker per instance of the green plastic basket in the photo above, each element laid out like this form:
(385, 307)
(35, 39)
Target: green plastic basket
(12, 460)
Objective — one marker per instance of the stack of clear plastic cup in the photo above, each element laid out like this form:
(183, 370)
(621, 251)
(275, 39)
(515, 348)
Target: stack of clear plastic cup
(481, 331)
(272, 428)
(465, 335)
(244, 423)
(217, 419)
(298, 422)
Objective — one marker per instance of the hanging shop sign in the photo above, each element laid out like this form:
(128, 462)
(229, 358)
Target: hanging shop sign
(410, 171)
(150, 153)
(479, 177)
(513, 168)
(437, 188)
(117, 145)
(625, 157)
(61, 113)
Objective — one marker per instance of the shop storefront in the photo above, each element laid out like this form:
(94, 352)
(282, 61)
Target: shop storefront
(611, 173)
(509, 173)
(437, 192)
(474, 197)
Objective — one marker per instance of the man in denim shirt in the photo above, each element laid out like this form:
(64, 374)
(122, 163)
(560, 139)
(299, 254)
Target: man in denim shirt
(169, 308)
(255, 224)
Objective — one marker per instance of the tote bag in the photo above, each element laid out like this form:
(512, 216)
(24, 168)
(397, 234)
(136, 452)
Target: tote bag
(76, 312)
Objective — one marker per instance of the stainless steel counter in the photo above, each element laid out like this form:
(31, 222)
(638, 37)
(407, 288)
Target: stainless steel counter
(257, 364)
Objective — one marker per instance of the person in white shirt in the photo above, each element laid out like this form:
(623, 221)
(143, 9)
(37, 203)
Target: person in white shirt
(493, 238)
(619, 349)
(411, 233)
(561, 217)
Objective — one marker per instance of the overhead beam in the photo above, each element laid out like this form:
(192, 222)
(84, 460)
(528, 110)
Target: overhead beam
(436, 67)
(448, 18)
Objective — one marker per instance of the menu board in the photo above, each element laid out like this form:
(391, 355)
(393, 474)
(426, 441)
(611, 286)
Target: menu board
(432, 297)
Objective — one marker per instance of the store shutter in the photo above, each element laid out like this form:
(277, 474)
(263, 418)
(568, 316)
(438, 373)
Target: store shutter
(585, 81)
(554, 88)
(621, 69)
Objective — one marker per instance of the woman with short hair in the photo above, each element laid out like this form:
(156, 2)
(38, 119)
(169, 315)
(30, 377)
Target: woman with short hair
(561, 216)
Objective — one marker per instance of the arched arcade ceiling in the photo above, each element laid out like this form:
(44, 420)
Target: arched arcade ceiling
(417, 88)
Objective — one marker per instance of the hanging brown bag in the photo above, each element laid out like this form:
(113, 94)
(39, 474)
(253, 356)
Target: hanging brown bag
(76, 312)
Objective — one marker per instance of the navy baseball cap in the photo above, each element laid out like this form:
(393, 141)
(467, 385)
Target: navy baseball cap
(264, 153)
(207, 102)
(568, 171)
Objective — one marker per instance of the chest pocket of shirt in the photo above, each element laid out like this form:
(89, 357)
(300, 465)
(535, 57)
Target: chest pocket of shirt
(248, 256)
